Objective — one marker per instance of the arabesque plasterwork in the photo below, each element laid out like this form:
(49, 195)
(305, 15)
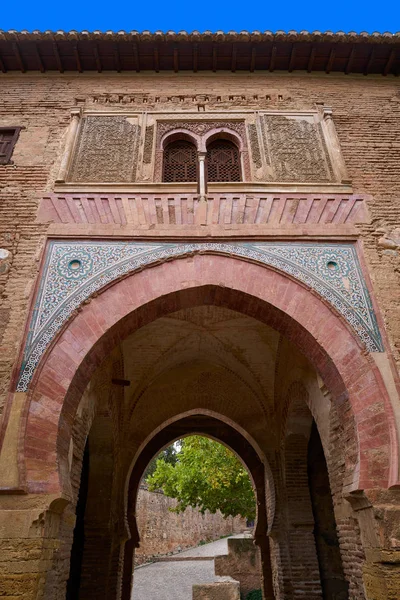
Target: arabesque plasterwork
(75, 270)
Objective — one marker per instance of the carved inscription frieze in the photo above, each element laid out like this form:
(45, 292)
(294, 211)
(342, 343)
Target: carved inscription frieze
(106, 150)
(297, 150)
(200, 102)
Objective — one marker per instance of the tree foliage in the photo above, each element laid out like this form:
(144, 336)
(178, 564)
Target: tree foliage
(168, 455)
(206, 475)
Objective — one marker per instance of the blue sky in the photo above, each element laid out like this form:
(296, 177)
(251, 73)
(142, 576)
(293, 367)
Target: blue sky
(345, 15)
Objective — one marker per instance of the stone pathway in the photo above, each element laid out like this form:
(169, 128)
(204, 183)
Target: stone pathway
(173, 579)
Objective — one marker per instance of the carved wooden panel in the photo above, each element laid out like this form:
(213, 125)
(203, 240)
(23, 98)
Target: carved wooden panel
(106, 150)
(297, 149)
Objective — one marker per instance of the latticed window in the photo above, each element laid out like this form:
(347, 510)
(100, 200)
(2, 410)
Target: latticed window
(223, 163)
(180, 162)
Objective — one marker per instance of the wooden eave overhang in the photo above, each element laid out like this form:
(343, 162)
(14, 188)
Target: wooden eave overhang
(363, 53)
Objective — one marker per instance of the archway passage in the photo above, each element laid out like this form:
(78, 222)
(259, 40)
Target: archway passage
(259, 292)
(219, 430)
(206, 370)
(205, 335)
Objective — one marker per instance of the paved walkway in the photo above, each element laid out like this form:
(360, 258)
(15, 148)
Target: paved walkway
(173, 579)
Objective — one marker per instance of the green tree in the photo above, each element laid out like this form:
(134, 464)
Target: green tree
(168, 455)
(206, 475)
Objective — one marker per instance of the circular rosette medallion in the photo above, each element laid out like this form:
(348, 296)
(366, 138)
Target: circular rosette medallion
(333, 265)
(75, 265)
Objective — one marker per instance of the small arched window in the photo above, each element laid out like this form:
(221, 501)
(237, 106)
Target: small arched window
(180, 162)
(223, 161)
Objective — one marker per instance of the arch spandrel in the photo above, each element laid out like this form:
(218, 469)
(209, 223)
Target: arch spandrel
(208, 278)
(74, 271)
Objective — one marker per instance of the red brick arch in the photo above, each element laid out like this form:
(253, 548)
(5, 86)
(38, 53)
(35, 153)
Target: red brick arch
(253, 289)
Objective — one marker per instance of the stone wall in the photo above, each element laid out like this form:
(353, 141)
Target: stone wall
(162, 531)
(242, 563)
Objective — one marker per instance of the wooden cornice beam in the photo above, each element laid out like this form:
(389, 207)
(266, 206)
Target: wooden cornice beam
(176, 58)
(121, 382)
(253, 59)
(136, 57)
(38, 57)
(117, 57)
(234, 58)
(370, 61)
(2, 66)
(331, 60)
(350, 60)
(97, 57)
(57, 57)
(214, 58)
(156, 59)
(18, 56)
(389, 61)
(195, 58)
(292, 58)
(311, 59)
(77, 57)
(273, 57)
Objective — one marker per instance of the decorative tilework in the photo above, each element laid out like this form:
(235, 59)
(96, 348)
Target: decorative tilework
(73, 271)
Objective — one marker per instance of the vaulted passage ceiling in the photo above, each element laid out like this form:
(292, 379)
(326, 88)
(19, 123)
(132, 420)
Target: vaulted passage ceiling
(207, 358)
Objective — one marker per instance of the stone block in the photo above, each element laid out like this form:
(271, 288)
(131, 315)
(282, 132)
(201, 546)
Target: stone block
(242, 563)
(225, 589)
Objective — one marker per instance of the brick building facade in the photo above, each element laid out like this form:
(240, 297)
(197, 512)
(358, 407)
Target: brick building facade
(200, 234)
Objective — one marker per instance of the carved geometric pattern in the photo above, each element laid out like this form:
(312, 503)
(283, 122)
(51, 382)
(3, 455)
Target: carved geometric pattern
(106, 150)
(223, 163)
(200, 127)
(74, 271)
(148, 144)
(254, 145)
(297, 150)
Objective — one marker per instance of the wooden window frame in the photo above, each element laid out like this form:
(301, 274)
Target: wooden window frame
(5, 159)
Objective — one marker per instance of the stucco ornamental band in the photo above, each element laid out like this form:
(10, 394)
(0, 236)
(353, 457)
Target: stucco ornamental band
(73, 271)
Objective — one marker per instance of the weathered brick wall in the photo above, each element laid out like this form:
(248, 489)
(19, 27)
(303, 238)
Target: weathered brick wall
(162, 531)
(366, 113)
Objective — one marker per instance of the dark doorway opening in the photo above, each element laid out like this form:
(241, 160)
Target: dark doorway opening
(78, 543)
(333, 583)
